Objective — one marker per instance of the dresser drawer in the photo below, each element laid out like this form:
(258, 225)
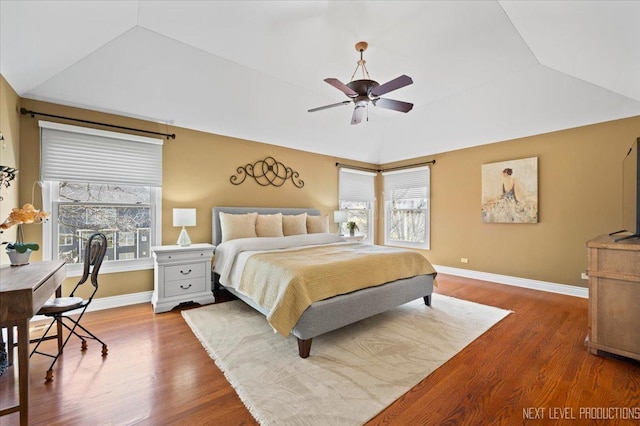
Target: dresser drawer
(180, 287)
(185, 271)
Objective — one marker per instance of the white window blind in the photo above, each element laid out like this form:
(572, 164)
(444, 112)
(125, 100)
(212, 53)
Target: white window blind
(356, 185)
(407, 184)
(79, 154)
(406, 197)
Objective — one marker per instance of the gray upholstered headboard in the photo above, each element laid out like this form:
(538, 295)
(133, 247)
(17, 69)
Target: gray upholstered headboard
(216, 232)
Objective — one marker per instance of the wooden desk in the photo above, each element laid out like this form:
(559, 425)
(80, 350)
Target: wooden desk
(23, 291)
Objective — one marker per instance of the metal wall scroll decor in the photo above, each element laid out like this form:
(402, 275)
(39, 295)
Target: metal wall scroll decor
(267, 172)
(7, 174)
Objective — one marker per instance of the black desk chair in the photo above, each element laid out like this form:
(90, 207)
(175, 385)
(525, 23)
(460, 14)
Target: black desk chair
(60, 306)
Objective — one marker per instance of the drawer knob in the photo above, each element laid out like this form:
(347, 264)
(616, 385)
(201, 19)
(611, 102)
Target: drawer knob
(185, 273)
(185, 288)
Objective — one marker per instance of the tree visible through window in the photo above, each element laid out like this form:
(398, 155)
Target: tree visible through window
(122, 213)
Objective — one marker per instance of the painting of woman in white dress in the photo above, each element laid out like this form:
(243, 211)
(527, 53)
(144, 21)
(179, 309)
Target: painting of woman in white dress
(510, 191)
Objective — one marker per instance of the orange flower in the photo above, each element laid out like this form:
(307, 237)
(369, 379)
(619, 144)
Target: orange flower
(27, 214)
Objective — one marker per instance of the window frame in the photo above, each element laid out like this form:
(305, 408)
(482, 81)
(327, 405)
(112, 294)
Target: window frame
(370, 237)
(427, 210)
(108, 155)
(50, 233)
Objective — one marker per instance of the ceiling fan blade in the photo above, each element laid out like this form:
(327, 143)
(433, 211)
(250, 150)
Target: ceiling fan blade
(342, 87)
(358, 113)
(389, 86)
(392, 104)
(329, 106)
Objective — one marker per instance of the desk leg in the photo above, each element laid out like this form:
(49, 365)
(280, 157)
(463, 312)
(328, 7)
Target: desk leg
(23, 372)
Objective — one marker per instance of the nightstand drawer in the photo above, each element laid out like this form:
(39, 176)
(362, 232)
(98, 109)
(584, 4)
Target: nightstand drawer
(177, 288)
(184, 271)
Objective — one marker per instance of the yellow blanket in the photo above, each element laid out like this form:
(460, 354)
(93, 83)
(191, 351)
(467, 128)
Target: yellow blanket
(287, 282)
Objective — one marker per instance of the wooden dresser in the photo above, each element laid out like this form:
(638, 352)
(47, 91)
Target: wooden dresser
(614, 296)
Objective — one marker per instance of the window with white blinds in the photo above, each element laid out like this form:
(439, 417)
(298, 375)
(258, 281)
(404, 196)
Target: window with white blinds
(406, 199)
(78, 154)
(356, 194)
(100, 181)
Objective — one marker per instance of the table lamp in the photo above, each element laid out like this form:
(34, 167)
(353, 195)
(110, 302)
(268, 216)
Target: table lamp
(340, 217)
(184, 217)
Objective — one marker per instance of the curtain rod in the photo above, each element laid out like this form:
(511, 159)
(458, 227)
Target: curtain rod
(385, 170)
(24, 111)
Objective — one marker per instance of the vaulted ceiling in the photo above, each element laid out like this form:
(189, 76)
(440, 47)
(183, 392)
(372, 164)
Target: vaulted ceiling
(483, 71)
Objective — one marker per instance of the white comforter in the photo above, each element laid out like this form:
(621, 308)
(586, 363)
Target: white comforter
(231, 256)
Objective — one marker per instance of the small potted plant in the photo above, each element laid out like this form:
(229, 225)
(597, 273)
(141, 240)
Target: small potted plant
(352, 227)
(19, 252)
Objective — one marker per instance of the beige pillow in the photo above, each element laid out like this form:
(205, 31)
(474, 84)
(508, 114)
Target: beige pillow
(294, 224)
(236, 226)
(269, 225)
(317, 224)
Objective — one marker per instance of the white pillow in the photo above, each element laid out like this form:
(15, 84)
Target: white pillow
(294, 224)
(317, 224)
(269, 225)
(236, 226)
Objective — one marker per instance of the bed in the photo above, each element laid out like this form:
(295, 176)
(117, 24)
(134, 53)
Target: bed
(329, 313)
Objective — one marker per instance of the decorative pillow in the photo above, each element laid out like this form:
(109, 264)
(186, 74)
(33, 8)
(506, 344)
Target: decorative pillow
(317, 224)
(294, 224)
(269, 225)
(236, 226)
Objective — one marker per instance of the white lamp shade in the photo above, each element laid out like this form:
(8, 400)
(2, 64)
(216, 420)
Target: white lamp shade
(184, 217)
(340, 216)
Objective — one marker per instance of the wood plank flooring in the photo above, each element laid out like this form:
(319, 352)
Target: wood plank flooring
(533, 363)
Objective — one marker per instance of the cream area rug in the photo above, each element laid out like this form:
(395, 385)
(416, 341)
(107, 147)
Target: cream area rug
(352, 373)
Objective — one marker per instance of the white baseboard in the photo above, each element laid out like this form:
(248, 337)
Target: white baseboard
(112, 302)
(569, 290)
(122, 300)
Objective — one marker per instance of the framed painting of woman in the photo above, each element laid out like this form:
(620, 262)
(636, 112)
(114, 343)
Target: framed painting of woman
(510, 191)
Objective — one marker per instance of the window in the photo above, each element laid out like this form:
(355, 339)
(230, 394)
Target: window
(98, 181)
(357, 197)
(406, 200)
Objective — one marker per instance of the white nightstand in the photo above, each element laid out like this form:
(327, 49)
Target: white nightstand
(181, 274)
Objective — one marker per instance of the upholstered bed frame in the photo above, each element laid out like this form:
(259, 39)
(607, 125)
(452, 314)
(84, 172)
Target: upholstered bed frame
(331, 314)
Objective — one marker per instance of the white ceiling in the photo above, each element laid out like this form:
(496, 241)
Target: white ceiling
(483, 71)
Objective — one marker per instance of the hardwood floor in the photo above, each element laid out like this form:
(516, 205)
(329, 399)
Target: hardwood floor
(532, 363)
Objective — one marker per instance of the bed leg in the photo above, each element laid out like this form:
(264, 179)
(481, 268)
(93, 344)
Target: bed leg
(304, 347)
(427, 300)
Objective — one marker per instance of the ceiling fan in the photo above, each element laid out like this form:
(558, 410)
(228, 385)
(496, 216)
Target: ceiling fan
(365, 91)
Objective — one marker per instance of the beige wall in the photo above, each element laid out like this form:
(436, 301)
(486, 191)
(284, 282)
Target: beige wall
(579, 192)
(9, 156)
(579, 197)
(196, 171)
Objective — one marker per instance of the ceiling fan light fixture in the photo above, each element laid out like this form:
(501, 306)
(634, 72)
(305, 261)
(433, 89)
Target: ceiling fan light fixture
(364, 91)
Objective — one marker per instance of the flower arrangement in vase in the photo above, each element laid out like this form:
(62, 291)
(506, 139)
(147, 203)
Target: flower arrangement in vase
(352, 227)
(19, 252)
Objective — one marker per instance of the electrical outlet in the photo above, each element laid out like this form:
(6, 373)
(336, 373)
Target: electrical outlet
(584, 276)
(464, 260)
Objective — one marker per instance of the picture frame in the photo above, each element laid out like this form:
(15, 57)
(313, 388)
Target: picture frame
(510, 191)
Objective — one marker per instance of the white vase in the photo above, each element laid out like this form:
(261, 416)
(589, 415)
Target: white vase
(18, 259)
